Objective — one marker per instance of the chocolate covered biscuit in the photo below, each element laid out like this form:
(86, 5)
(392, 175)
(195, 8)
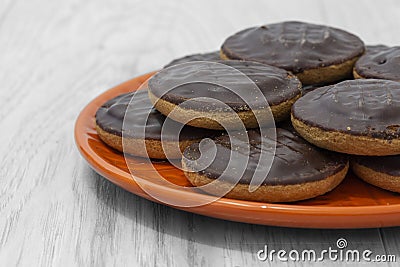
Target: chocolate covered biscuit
(218, 81)
(383, 172)
(143, 123)
(315, 53)
(360, 117)
(211, 56)
(299, 170)
(379, 62)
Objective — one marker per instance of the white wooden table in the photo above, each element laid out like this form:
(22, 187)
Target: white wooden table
(55, 56)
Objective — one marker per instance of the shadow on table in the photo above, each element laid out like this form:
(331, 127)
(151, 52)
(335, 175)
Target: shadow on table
(233, 235)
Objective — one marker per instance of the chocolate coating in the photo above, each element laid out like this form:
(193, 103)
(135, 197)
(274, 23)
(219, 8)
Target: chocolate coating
(110, 117)
(286, 125)
(296, 161)
(363, 107)
(380, 62)
(294, 46)
(212, 56)
(388, 165)
(194, 80)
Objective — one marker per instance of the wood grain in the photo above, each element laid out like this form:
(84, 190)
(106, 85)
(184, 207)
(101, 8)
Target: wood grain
(58, 55)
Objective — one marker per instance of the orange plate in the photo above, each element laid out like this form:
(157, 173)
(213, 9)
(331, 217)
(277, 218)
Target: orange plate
(354, 204)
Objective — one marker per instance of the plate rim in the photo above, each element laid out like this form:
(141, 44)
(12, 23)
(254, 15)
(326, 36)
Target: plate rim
(118, 177)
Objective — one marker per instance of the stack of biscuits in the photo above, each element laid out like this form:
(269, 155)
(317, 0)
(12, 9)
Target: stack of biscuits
(335, 103)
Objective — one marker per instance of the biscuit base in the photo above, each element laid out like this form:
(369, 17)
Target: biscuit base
(346, 143)
(134, 146)
(328, 74)
(356, 75)
(379, 179)
(271, 193)
(215, 120)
